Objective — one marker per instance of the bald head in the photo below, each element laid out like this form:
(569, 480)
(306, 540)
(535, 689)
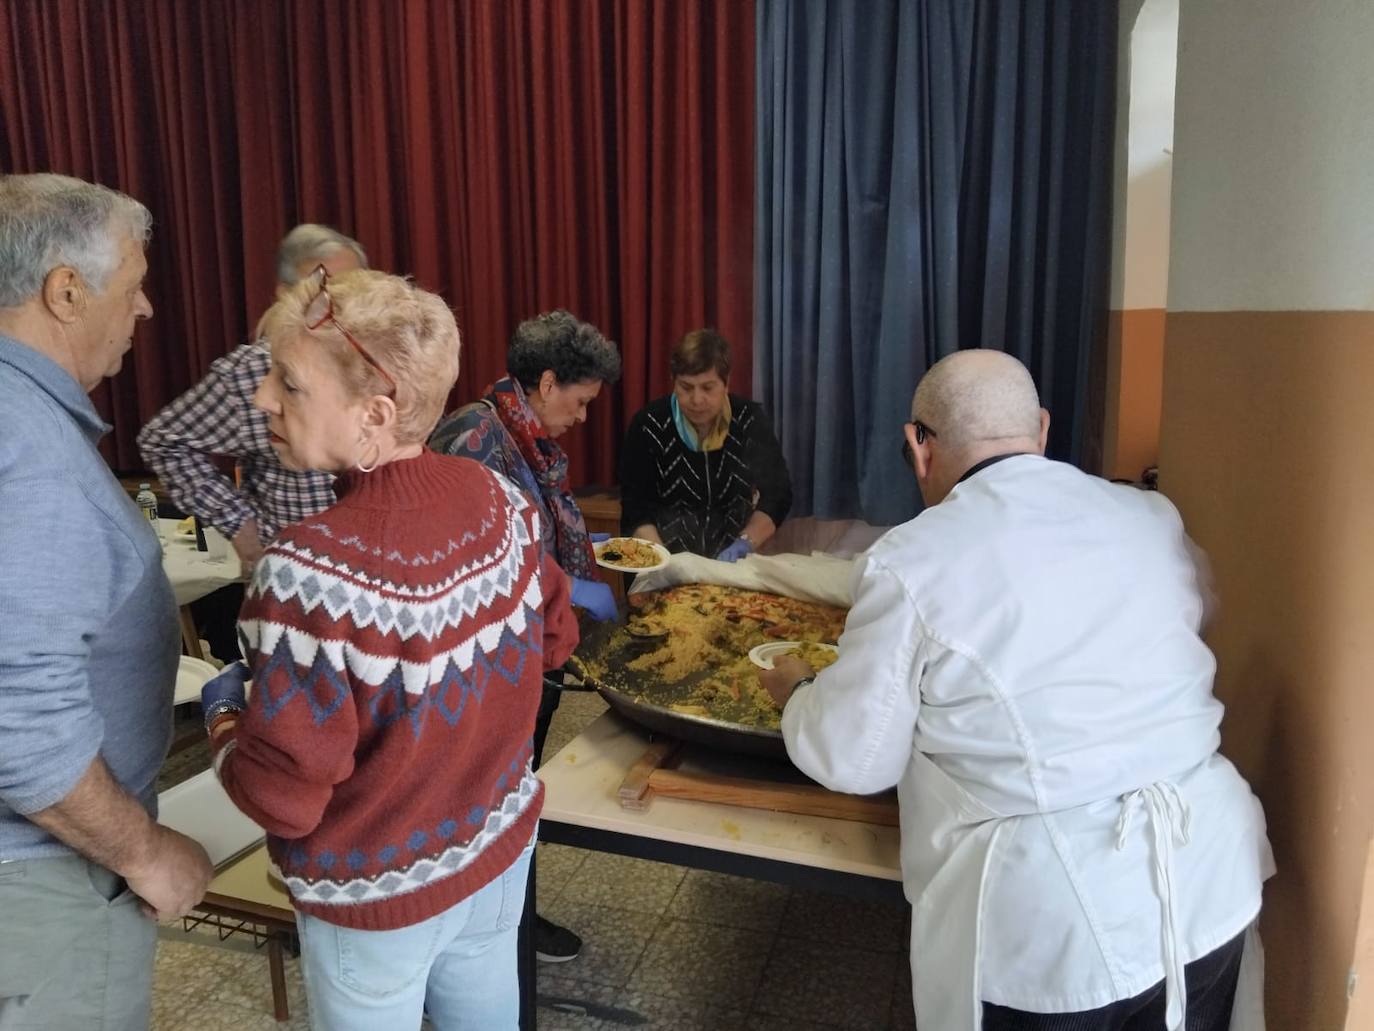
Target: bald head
(973, 405)
(975, 396)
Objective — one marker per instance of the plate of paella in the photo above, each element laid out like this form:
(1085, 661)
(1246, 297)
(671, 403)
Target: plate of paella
(630, 555)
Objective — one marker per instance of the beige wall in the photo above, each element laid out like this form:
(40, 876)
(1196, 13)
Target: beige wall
(1268, 450)
(1278, 130)
(1148, 50)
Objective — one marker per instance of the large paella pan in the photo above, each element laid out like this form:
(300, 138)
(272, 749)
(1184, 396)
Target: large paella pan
(680, 665)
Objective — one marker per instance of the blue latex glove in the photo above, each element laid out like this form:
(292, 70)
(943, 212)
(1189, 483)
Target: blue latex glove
(736, 551)
(225, 691)
(595, 597)
(597, 538)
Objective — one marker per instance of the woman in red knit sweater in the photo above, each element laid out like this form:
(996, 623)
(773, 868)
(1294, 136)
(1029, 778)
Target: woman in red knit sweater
(396, 643)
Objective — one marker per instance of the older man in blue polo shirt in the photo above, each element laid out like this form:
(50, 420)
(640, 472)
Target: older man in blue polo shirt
(88, 632)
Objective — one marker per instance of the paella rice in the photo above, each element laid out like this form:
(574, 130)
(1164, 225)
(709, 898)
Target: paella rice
(700, 666)
(630, 552)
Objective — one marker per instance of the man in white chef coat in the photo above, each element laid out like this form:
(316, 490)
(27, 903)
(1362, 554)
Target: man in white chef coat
(1023, 661)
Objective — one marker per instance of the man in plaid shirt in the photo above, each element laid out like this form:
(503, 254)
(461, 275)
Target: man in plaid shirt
(216, 418)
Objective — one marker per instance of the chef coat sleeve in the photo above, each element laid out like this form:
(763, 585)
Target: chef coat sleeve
(1202, 606)
(853, 729)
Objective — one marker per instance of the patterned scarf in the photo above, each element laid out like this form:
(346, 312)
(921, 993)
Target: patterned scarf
(715, 440)
(549, 463)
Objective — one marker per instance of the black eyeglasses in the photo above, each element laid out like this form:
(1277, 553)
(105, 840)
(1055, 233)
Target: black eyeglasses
(922, 432)
(321, 310)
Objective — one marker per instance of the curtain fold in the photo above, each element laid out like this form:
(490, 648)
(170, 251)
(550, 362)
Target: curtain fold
(514, 156)
(931, 175)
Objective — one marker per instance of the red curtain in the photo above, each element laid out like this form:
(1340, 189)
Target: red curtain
(515, 155)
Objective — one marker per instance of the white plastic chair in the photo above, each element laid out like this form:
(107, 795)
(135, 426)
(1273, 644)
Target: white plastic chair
(192, 675)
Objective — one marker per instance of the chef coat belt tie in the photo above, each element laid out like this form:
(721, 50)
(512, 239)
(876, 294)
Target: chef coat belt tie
(1168, 816)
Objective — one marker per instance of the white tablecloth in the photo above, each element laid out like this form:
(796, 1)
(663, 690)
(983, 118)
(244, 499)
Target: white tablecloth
(194, 574)
(820, 578)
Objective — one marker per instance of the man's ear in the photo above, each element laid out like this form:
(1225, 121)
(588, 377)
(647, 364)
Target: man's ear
(920, 453)
(64, 294)
(1044, 429)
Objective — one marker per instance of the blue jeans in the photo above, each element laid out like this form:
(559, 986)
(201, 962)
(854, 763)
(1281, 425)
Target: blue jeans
(459, 966)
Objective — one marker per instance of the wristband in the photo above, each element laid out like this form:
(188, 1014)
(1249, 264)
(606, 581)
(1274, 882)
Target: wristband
(220, 708)
(225, 720)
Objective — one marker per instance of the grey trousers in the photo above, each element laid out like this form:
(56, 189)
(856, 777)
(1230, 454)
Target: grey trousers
(76, 951)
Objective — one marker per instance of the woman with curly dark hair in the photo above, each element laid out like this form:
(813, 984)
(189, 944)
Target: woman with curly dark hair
(557, 365)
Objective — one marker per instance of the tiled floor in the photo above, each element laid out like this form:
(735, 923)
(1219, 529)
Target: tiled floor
(202, 985)
(665, 947)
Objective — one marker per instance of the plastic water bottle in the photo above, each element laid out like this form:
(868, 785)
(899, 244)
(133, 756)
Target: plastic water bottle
(147, 501)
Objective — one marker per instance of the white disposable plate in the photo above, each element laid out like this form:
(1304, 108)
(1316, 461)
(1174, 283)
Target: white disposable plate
(659, 550)
(762, 655)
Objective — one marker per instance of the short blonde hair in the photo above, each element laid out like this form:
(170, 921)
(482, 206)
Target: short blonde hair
(409, 332)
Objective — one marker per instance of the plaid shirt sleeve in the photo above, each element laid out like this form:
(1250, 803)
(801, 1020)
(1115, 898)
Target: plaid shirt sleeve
(212, 418)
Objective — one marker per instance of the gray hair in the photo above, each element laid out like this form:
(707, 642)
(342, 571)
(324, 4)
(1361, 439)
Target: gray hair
(49, 220)
(559, 342)
(977, 395)
(308, 242)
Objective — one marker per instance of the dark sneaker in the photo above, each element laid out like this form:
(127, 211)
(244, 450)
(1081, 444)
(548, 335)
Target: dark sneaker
(554, 944)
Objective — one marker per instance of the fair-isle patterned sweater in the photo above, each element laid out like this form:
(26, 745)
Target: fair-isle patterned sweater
(397, 643)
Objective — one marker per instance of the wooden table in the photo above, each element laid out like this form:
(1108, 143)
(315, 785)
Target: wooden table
(582, 807)
(243, 898)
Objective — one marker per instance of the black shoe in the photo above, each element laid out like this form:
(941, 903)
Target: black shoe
(554, 944)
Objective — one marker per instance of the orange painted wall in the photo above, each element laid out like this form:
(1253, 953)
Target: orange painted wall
(1135, 387)
(1268, 450)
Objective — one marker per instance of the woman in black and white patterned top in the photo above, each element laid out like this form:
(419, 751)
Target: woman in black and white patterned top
(701, 469)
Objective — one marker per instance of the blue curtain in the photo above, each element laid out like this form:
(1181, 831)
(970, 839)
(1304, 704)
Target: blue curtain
(931, 175)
